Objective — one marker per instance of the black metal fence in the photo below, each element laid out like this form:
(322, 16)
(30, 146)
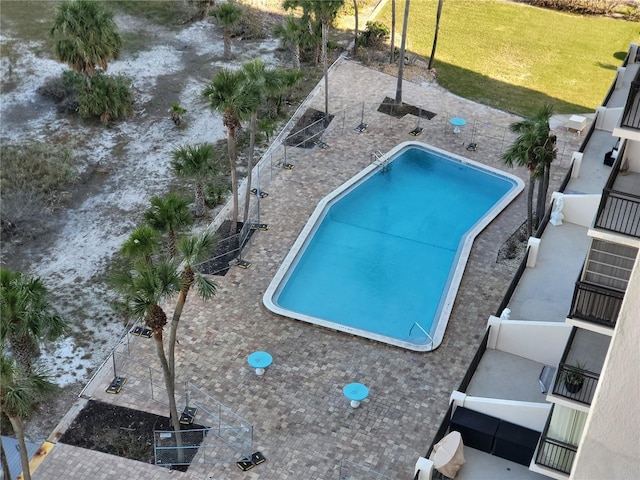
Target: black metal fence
(619, 212)
(555, 454)
(596, 304)
(464, 384)
(514, 283)
(575, 384)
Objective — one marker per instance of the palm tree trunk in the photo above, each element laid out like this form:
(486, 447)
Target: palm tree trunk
(5, 464)
(543, 186)
(227, 44)
(355, 33)
(532, 183)
(252, 144)
(402, 46)
(392, 57)
(18, 429)
(173, 249)
(435, 35)
(326, 77)
(169, 382)
(173, 329)
(296, 56)
(231, 144)
(199, 200)
(25, 350)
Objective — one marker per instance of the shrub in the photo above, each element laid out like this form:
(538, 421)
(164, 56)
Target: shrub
(374, 35)
(63, 90)
(107, 97)
(584, 7)
(216, 191)
(33, 175)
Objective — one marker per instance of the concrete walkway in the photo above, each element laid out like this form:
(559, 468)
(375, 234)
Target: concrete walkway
(302, 423)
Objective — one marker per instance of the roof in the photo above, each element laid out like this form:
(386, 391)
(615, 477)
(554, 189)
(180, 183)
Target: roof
(12, 451)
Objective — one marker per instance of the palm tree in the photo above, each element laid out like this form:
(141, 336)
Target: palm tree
(435, 35)
(262, 82)
(546, 154)
(324, 12)
(85, 35)
(145, 287)
(195, 161)
(403, 42)
(534, 149)
(20, 392)
(193, 250)
(169, 214)
(228, 15)
(290, 34)
(229, 94)
(142, 243)
(26, 316)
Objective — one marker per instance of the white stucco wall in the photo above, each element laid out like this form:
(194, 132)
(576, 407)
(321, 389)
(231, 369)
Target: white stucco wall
(541, 342)
(610, 445)
(580, 209)
(632, 154)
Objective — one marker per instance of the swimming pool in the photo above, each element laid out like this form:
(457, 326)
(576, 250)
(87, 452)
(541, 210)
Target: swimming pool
(383, 255)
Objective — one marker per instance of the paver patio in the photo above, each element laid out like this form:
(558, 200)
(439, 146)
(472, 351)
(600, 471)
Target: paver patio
(302, 422)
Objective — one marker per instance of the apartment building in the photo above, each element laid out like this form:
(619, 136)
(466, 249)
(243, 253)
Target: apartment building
(570, 321)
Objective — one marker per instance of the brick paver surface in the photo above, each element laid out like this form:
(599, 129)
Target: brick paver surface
(301, 421)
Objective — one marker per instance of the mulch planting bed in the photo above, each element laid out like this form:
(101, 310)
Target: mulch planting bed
(126, 432)
(388, 107)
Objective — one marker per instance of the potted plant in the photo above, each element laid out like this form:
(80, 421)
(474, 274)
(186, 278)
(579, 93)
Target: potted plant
(574, 377)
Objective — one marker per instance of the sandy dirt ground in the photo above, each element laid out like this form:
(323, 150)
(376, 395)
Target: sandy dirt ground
(121, 168)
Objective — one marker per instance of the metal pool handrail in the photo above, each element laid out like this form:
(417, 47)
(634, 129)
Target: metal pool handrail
(416, 324)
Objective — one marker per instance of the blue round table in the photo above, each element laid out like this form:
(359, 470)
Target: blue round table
(457, 122)
(356, 392)
(260, 361)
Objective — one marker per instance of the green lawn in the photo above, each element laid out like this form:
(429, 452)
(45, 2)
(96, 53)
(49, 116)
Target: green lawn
(515, 57)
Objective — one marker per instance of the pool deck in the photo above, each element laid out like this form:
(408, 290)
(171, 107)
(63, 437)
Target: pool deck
(302, 423)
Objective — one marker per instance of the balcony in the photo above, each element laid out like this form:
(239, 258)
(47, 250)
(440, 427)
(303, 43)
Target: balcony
(585, 352)
(583, 388)
(631, 114)
(555, 454)
(619, 209)
(596, 304)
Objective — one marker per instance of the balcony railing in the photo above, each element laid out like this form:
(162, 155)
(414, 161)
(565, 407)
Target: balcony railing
(596, 304)
(555, 455)
(631, 114)
(579, 386)
(619, 212)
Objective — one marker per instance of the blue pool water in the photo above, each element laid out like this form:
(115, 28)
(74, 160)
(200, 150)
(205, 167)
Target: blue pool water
(380, 254)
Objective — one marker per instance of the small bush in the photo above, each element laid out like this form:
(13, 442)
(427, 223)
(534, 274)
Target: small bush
(108, 97)
(250, 26)
(584, 7)
(216, 191)
(32, 176)
(63, 90)
(375, 35)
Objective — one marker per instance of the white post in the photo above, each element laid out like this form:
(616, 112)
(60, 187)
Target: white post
(534, 247)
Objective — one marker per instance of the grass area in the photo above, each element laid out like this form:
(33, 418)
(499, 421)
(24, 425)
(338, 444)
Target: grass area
(515, 57)
(168, 13)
